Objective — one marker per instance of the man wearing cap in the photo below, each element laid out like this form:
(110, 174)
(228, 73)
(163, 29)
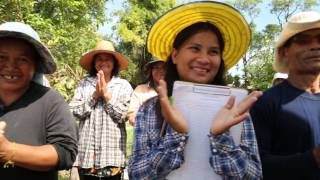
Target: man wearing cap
(286, 117)
(154, 71)
(40, 134)
(101, 103)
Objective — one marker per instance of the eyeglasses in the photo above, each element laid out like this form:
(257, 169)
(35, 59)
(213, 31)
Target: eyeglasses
(304, 39)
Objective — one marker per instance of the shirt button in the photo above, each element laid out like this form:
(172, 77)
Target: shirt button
(214, 150)
(183, 138)
(181, 143)
(179, 149)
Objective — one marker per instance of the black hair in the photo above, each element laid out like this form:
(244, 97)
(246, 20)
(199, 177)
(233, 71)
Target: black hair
(171, 69)
(93, 71)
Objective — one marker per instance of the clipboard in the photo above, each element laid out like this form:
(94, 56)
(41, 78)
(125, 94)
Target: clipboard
(199, 103)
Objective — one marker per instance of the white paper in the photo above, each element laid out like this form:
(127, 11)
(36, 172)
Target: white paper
(199, 103)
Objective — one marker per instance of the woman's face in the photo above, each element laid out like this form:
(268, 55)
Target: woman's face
(17, 65)
(105, 63)
(158, 71)
(199, 58)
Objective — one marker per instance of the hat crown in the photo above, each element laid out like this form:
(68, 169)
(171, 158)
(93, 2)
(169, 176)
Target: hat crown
(105, 45)
(305, 17)
(20, 28)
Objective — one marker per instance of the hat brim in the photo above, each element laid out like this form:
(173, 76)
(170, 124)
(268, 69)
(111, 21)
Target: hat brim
(47, 62)
(87, 58)
(232, 25)
(150, 63)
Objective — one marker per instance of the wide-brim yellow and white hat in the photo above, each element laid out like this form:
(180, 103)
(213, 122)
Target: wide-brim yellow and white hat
(232, 25)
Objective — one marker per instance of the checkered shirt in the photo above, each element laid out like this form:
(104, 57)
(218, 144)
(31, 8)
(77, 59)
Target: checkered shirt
(236, 162)
(102, 133)
(153, 156)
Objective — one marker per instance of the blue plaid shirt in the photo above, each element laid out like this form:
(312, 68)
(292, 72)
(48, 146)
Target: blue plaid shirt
(155, 156)
(236, 162)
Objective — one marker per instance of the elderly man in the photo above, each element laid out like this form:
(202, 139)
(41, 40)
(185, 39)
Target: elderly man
(40, 135)
(287, 116)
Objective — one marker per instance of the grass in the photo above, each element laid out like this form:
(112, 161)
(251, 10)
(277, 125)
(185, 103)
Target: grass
(130, 130)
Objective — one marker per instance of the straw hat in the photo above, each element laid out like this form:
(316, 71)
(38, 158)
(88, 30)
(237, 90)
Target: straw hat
(298, 23)
(25, 32)
(103, 47)
(232, 25)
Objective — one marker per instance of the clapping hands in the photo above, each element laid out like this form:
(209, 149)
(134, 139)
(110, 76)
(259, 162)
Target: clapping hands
(232, 114)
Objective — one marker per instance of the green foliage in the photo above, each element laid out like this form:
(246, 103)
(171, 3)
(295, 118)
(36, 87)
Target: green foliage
(257, 63)
(67, 27)
(283, 9)
(132, 30)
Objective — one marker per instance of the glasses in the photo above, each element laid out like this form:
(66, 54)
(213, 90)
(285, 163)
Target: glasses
(304, 39)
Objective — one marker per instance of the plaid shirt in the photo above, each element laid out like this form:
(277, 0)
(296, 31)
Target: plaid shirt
(154, 157)
(102, 133)
(236, 162)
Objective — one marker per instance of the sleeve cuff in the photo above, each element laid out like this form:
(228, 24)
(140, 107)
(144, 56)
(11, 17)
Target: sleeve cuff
(222, 142)
(176, 141)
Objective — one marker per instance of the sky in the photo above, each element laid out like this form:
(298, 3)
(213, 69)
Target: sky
(112, 5)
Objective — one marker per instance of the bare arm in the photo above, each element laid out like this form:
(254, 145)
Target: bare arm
(172, 116)
(39, 158)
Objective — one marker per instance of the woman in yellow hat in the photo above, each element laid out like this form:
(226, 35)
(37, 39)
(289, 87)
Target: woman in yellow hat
(199, 41)
(101, 103)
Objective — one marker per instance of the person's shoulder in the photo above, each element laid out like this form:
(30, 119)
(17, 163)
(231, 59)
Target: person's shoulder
(53, 94)
(87, 79)
(271, 96)
(120, 80)
(123, 83)
(141, 88)
(151, 103)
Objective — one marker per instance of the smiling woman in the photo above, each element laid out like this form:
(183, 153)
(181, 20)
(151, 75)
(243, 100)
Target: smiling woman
(19, 55)
(198, 42)
(40, 134)
(100, 103)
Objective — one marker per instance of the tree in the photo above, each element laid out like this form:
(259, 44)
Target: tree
(283, 9)
(68, 28)
(132, 30)
(257, 63)
(251, 10)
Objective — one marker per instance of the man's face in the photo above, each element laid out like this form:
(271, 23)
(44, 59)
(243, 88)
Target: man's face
(303, 53)
(17, 65)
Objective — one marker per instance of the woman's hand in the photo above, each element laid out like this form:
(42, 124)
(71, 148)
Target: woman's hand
(2, 127)
(231, 115)
(172, 116)
(5, 145)
(101, 88)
